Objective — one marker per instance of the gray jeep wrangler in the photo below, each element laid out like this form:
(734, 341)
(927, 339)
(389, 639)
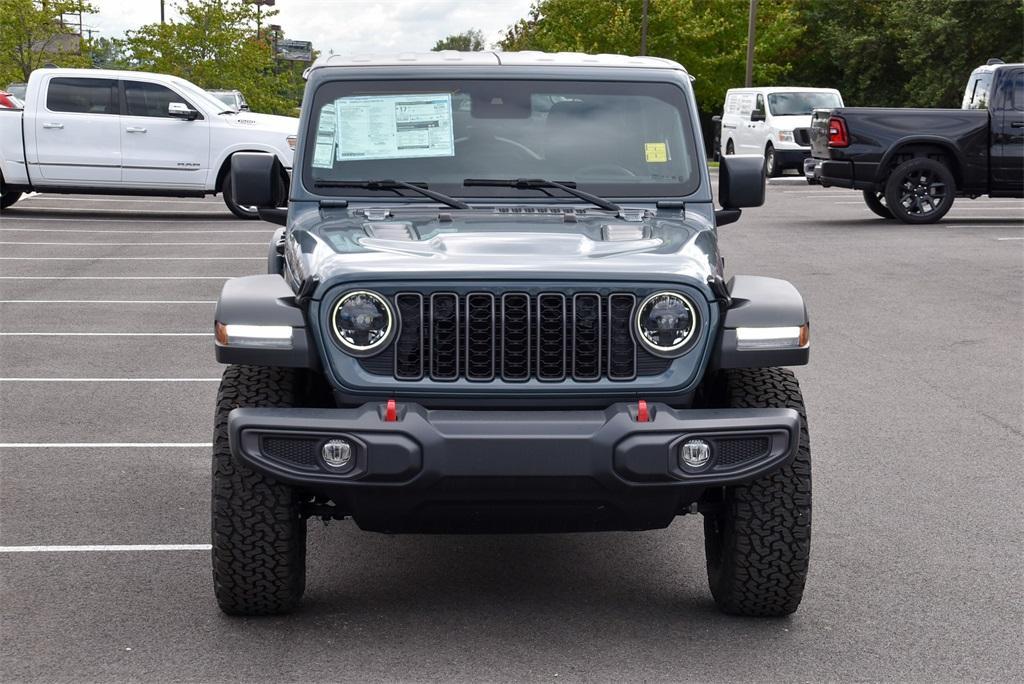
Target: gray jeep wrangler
(497, 304)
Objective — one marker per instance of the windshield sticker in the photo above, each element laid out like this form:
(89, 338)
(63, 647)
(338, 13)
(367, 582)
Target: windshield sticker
(394, 127)
(323, 152)
(656, 152)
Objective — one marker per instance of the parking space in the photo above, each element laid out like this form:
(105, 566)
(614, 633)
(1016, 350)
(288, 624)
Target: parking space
(107, 387)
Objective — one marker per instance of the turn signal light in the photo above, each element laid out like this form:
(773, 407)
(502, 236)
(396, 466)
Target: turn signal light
(837, 136)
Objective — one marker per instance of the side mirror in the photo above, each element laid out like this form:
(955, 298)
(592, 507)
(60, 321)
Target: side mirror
(756, 115)
(741, 183)
(258, 180)
(180, 110)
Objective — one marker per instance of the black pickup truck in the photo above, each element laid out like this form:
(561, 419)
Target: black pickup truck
(911, 163)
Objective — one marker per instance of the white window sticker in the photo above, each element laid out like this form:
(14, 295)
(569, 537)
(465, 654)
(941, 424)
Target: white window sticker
(323, 152)
(395, 126)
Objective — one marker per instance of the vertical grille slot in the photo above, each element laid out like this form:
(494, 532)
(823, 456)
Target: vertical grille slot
(586, 337)
(480, 337)
(621, 347)
(515, 337)
(444, 336)
(551, 336)
(409, 345)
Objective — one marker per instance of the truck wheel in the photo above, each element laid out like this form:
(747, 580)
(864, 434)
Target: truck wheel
(876, 203)
(758, 540)
(227, 190)
(771, 164)
(9, 198)
(920, 190)
(729, 149)
(259, 534)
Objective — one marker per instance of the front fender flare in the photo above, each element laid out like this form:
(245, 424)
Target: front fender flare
(264, 300)
(759, 302)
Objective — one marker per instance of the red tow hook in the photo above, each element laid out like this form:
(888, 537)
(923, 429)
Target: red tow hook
(643, 415)
(391, 412)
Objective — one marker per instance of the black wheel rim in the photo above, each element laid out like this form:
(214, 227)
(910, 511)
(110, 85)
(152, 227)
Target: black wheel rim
(922, 192)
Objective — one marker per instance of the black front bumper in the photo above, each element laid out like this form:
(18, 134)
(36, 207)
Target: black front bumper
(788, 158)
(467, 471)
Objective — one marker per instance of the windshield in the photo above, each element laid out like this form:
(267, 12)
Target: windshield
(611, 139)
(798, 104)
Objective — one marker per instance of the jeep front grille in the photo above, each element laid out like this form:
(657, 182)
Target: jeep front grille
(515, 337)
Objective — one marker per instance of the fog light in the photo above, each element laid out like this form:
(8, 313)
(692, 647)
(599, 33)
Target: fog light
(695, 453)
(337, 453)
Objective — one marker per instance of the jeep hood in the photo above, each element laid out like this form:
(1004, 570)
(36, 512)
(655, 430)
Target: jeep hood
(492, 244)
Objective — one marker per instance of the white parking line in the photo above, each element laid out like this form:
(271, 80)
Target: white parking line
(105, 445)
(108, 301)
(144, 244)
(109, 379)
(104, 334)
(131, 258)
(117, 277)
(105, 547)
(137, 232)
(1010, 238)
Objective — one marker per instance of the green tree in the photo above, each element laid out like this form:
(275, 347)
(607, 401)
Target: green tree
(708, 37)
(467, 41)
(215, 45)
(908, 53)
(32, 34)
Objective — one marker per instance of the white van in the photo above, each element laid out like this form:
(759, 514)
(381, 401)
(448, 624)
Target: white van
(774, 122)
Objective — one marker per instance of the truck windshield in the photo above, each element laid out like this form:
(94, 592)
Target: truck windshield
(800, 104)
(613, 139)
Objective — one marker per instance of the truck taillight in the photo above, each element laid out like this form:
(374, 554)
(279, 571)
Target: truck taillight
(837, 136)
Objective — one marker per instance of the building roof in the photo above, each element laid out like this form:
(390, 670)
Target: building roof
(488, 58)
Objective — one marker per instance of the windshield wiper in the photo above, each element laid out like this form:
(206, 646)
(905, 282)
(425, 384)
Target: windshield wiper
(421, 188)
(540, 184)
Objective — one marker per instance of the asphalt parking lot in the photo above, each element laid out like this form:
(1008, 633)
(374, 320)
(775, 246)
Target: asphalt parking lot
(914, 394)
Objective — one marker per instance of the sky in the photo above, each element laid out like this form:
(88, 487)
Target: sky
(346, 26)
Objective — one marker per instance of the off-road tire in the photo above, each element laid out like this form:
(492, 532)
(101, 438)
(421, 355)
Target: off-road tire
(875, 202)
(259, 534)
(227, 190)
(771, 162)
(937, 174)
(9, 198)
(758, 540)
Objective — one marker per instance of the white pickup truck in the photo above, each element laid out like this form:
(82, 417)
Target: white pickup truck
(130, 133)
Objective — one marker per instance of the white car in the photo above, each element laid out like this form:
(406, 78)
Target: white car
(130, 133)
(773, 122)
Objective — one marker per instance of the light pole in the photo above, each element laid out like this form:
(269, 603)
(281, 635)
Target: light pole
(751, 25)
(161, 11)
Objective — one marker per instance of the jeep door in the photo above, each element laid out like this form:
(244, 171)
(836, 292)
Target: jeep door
(161, 151)
(75, 132)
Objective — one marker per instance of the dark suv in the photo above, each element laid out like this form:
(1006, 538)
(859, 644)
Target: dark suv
(498, 305)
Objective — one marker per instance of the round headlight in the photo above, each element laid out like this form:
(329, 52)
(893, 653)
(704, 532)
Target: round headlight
(362, 322)
(666, 322)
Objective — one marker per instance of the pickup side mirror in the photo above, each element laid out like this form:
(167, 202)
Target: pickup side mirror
(180, 110)
(258, 179)
(756, 115)
(741, 183)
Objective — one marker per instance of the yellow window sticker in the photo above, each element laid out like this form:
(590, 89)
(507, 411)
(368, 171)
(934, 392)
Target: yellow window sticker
(656, 152)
